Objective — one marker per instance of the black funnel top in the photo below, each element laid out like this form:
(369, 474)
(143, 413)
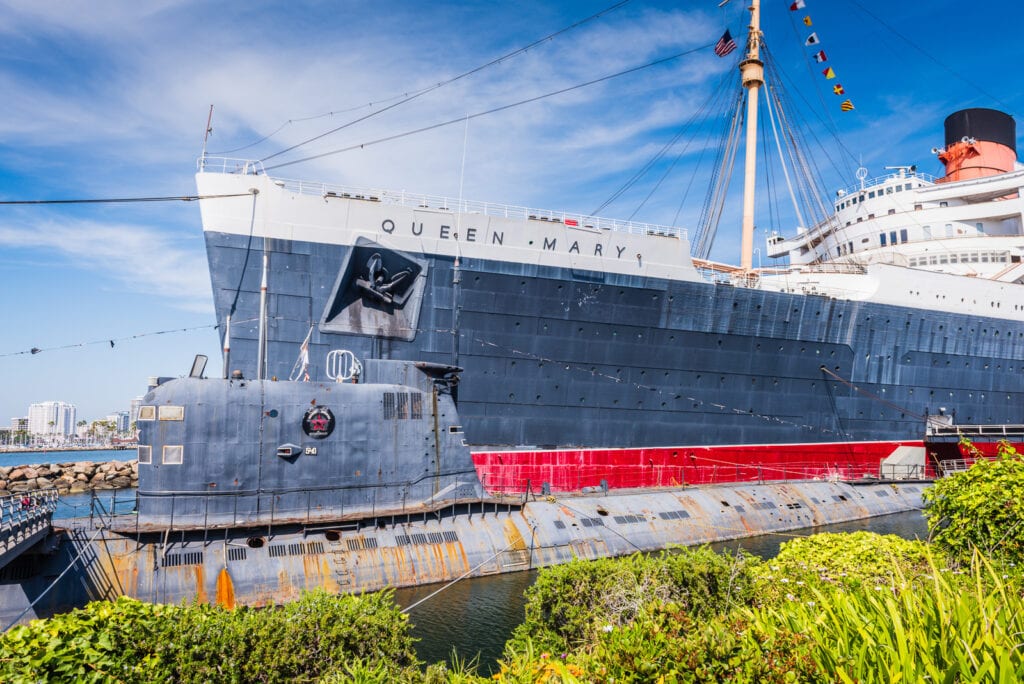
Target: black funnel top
(982, 124)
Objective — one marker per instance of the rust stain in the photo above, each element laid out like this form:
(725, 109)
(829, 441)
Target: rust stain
(327, 580)
(567, 511)
(225, 590)
(513, 537)
(201, 596)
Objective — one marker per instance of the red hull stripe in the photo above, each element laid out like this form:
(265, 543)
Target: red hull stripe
(576, 469)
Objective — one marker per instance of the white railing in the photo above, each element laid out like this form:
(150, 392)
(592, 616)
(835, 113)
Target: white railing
(857, 187)
(438, 203)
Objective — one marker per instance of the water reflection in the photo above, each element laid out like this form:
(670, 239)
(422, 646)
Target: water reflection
(476, 617)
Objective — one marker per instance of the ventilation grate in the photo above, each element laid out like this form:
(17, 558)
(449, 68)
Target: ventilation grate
(173, 560)
(236, 553)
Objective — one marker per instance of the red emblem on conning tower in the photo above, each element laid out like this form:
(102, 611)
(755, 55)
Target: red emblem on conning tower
(318, 422)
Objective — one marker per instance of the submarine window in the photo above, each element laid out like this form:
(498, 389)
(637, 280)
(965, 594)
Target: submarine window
(255, 542)
(172, 454)
(329, 535)
(147, 413)
(601, 511)
(145, 454)
(171, 413)
(454, 429)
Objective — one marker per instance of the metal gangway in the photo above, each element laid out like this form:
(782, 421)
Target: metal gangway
(25, 519)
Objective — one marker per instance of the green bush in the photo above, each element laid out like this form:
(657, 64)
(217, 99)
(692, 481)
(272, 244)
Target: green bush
(130, 641)
(570, 604)
(945, 629)
(852, 559)
(982, 507)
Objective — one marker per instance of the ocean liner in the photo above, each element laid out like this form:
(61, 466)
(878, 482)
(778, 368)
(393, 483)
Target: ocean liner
(600, 352)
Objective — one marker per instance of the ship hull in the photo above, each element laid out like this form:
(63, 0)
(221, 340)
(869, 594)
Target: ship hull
(560, 361)
(272, 565)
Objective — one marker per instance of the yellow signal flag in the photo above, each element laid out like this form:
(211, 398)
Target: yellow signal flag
(829, 72)
(838, 89)
(807, 21)
(847, 106)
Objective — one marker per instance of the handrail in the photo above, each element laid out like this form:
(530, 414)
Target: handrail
(439, 203)
(21, 507)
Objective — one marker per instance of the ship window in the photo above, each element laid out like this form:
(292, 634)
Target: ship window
(854, 200)
(881, 239)
(984, 257)
(871, 216)
(931, 260)
(903, 234)
(145, 454)
(839, 251)
(172, 454)
(171, 413)
(974, 258)
(927, 230)
(980, 227)
(892, 237)
(888, 191)
(917, 207)
(892, 211)
(907, 186)
(147, 413)
(943, 259)
(943, 204)
(899, 188)
(952, 258)
(871, 194)
(849, 248)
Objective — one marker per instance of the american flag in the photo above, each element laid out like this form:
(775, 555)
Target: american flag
(725, 44)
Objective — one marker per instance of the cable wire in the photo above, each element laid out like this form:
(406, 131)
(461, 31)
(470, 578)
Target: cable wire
(424, 91)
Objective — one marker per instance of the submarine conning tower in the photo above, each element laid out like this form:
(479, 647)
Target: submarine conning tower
(237, 452)
(979, 142)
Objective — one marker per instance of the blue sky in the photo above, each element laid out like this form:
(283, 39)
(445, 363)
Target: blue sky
(109, 100)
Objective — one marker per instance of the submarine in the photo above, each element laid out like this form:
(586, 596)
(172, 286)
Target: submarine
(252, 491)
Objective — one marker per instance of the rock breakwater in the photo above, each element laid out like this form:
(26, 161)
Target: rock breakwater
(70, 477)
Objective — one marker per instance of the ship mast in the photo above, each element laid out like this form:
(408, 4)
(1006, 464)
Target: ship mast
(752, 77)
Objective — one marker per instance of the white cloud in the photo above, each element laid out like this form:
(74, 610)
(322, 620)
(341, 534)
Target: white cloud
(143, 259)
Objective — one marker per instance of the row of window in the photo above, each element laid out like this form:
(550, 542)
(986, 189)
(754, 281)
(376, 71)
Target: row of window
(171, 455)
(961, 258)
(161, 413)
(871, 194)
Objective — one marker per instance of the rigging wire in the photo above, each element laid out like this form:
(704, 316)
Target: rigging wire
(110, 340)
(928, 55)
(123, 200)
(697, 115)
(441, 84)
(463, 119)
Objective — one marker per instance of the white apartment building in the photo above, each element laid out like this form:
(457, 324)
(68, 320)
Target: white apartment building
(52, 418)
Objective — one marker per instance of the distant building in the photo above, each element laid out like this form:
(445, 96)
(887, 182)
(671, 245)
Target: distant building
(133, 411)
(19, 424)
(52, 418)
(119, 420)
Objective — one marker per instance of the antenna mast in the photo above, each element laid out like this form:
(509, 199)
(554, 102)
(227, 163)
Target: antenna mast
(206, 134)
(752, 76)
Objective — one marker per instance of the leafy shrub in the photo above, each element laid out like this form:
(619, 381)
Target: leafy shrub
(130, 641)
(570, 604)
(852, 559)
(982, 507)
(944, 630)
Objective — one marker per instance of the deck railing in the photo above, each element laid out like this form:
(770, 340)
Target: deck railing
(438, 203)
